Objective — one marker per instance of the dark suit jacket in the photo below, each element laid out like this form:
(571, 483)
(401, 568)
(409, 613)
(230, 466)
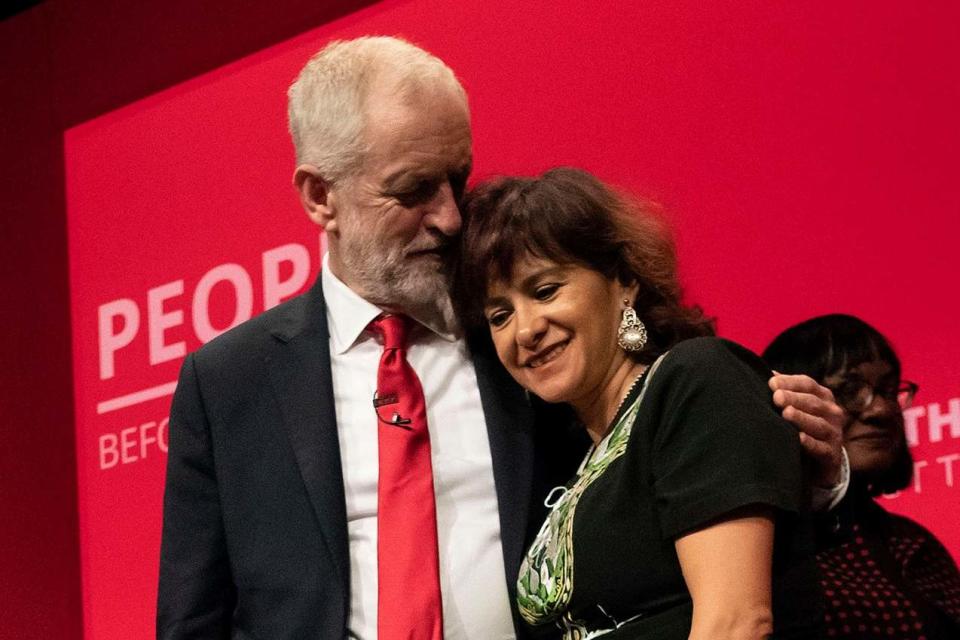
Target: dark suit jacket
(254, 525)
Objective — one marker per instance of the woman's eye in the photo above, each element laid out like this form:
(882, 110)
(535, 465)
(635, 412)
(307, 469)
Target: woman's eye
(545, 292)
(849, 389)
(887, 390)
(497, 318)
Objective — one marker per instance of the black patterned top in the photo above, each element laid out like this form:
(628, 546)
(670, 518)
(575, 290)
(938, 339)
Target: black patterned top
(885, 576)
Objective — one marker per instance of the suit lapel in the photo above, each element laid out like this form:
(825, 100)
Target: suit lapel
(299, 369)
(510, 428)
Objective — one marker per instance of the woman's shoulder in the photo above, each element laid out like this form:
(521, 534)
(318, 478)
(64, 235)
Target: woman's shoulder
(906, 528)
(714, 355)
(918, 547)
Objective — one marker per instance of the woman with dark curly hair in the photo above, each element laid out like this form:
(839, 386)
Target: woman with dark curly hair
(884, 575)
(687, 508)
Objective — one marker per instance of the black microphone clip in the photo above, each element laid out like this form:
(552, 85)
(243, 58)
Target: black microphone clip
(396, 420)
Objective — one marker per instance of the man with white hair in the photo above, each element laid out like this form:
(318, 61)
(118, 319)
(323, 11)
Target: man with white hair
(304, 498)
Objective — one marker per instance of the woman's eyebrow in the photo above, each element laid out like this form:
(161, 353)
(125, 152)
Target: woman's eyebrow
(526, 283)
(545, 272)
(495, 301)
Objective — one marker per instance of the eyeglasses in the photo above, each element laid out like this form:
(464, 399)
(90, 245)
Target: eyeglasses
(856, 394)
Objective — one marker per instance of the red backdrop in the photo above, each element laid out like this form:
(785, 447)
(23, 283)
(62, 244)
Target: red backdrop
(804, 156)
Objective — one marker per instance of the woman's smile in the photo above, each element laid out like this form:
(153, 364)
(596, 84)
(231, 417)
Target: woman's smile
(545, 356)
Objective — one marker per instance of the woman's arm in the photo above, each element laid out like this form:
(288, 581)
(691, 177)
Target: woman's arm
(727, 568)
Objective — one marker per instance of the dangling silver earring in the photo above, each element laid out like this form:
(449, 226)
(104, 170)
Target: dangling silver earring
(632, 335)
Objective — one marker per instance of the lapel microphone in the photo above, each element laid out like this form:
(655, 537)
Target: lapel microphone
(396, 420)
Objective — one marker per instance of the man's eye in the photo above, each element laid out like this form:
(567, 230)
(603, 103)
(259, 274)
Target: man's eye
(419, 194)
(546, 291)
(458, 183)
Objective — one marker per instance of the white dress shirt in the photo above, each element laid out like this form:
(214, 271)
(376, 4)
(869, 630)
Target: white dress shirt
(472, 577)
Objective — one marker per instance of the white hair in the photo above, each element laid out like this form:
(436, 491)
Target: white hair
(326, 102)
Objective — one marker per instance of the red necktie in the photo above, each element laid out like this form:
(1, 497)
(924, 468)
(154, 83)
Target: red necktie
(407, 564)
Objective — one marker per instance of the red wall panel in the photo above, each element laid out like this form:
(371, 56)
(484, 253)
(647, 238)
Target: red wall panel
(802, 152)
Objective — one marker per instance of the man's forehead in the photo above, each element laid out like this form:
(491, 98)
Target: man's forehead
(418, 143)
(446, 115)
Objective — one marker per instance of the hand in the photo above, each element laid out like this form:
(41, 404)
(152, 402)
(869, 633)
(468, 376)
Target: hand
(812, 409)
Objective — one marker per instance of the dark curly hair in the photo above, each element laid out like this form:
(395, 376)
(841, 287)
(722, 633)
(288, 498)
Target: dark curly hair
(569, 216)
(831, 344)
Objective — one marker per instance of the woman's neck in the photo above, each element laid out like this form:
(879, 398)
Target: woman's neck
(597, 412)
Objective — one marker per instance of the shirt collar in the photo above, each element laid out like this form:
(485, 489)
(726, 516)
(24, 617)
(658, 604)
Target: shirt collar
(348, 314)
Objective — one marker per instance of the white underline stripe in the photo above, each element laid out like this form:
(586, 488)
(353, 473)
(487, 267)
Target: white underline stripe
(137, 397)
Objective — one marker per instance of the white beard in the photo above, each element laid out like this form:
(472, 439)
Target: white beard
(417, 286)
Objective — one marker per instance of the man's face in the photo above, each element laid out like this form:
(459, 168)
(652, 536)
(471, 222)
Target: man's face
(396, 219)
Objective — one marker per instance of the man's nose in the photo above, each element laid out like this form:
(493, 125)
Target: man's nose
(444, 214)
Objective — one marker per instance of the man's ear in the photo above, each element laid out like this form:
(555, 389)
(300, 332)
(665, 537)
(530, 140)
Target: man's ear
(315, 197)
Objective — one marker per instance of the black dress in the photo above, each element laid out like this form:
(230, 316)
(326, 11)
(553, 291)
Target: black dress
(698, 437)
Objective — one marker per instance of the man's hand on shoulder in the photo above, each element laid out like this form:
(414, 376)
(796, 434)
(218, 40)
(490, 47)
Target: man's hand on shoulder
(811, 407)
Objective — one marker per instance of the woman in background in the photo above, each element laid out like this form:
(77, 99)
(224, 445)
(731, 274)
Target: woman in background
(883, 575)
(685, 509)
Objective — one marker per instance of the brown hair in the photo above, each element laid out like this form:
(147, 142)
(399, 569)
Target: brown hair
(569, 216)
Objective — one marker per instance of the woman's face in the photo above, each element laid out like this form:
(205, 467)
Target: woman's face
(555, 328)
(873, 436)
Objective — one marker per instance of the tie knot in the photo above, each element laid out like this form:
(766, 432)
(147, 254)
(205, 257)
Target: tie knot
(393, 329)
